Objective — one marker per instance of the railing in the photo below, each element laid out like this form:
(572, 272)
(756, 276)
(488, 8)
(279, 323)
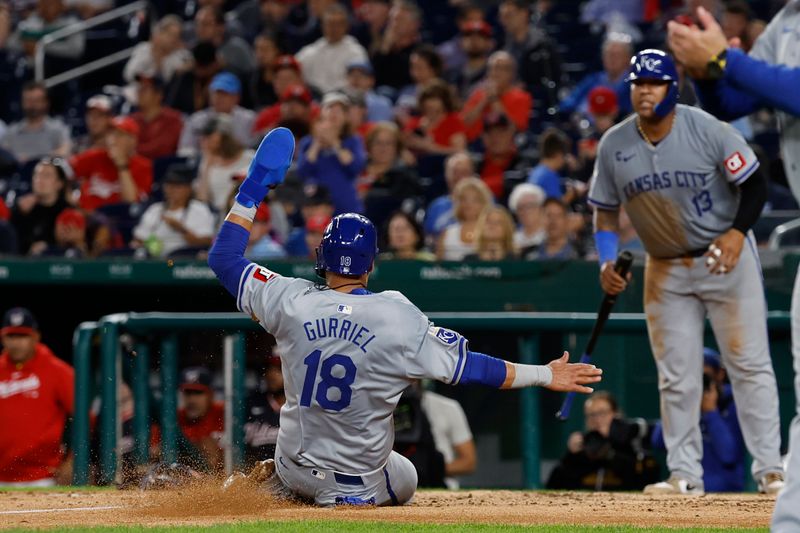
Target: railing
(780, 232)
(527, 326)
(76, 28)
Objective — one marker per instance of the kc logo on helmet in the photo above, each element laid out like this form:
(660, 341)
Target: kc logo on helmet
(651, 63)
(735, 163)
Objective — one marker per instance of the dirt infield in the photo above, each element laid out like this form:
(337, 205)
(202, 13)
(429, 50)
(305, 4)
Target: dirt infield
(206, 504)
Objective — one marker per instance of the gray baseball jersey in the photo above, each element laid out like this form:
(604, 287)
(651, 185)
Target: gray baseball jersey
(779, 45)
(346, 359)
(681, 194)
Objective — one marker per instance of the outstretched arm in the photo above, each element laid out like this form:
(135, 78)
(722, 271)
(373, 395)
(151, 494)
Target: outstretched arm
(267, 170)
(558, 375)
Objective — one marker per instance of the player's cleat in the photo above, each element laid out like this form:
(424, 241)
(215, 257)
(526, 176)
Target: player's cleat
(261, 473)
(674, 485)
(268, 167)
(771, 483)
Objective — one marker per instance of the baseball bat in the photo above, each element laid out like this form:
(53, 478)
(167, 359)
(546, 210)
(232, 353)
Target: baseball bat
(622, 267)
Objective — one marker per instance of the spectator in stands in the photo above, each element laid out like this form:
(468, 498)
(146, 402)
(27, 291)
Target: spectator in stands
(498, 93)
(305, 22)
(189, 92)
(609, 455)
(332, 156)
(495, 236)
(602, 114)
(453, 51)
(723, 444)
(439, 214)
(8, 235)
(295, 111)
(357, 115)
(316, 203)
(261, 245)
(439, 129)
(471, 197)
(315, 228)
(500, 153)
(525, 202)
(374, 14)
(49, 16)
(201, 419)
(558, 244)
(361, 79)
(90, 8)
(404, 239)
(236, 54)
(535, 55)
(325, 60)
(159, 126)
(223, 159)
(391, 56)
(116, 174)
(286, 73)
(388, 173)
(425, 66)
(264, 412)
(553, 149)
(260, 90)
(226, 90)
(178, 223)
(477, 43)
(164, 55)
(735, 22)
(34, 214)
(70, 239)
(617, 53)
(256, 17)
(14, 68)
(37, 135)
(451, 435)
(98, 123)
(38, 397)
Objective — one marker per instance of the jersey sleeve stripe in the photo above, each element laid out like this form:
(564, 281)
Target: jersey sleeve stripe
(747, 174)
(244, 277)
(461, 362)
(602, 205)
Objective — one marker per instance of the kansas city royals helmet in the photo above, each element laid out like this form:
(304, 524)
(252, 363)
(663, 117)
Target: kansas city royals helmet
(349, 246)
(652, 64)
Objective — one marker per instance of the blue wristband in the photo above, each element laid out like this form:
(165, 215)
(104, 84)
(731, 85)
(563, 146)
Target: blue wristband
(607, 243)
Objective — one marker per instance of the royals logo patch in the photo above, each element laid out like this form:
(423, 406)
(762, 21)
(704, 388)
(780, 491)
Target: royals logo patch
(735, 163)
(446, 336)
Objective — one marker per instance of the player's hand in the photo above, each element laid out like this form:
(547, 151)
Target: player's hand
(610, 281)
(694, 47)
(268, 168)
(723, 254)
(572, 376)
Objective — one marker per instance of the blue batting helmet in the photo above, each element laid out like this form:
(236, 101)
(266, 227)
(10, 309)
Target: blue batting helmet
(349, 246)
(652, 64)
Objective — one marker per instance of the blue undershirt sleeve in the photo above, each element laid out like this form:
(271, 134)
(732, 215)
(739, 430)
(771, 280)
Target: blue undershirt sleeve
(226, 257)
(482, 369)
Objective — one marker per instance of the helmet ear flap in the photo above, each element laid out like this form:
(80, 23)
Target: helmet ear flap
(320, 267)
(670, 100)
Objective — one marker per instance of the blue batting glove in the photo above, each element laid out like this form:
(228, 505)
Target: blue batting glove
(268, 168)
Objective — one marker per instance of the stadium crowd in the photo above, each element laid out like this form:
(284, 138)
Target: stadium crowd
(463, 130)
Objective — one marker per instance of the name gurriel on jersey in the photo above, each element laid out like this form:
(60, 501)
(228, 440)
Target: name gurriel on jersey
(344, 329)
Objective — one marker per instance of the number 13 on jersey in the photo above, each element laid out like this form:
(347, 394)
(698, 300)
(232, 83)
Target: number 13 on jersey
(345, 371)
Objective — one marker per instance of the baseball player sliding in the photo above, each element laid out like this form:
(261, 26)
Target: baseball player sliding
(347, 354)
(692, 189)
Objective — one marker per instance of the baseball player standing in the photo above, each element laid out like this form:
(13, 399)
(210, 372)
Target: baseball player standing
(347, 354)
(692, 189)
(736, 84)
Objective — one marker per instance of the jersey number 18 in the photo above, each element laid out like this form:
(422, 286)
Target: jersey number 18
(328, 380)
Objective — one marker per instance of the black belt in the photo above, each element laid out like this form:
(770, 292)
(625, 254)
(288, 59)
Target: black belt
(700, 252)
(344, 479)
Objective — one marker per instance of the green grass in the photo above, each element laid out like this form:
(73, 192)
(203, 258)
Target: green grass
(335, 526)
